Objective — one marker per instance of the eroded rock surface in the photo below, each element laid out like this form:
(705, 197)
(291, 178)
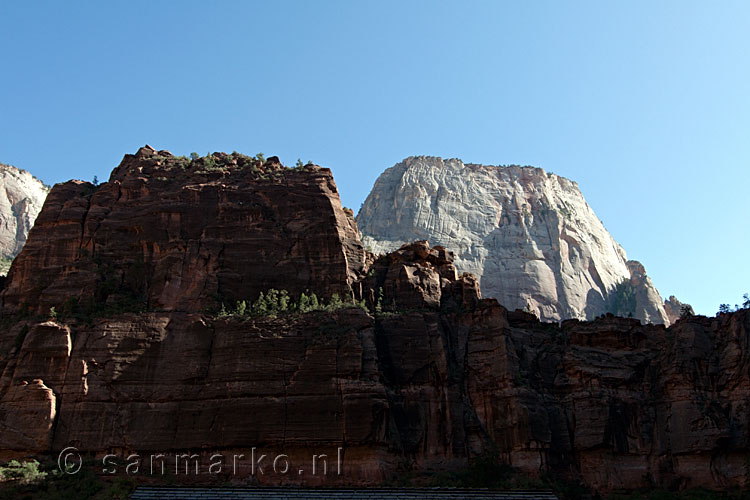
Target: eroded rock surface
(167, 233)
(528, 235)
(613, 402)
(673, 308)
(21, 198)
(431, 377)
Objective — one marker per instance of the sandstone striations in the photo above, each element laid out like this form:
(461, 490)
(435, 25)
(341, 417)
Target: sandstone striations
(529, 236)
(169, 233)
(429, 377)
(21, 198)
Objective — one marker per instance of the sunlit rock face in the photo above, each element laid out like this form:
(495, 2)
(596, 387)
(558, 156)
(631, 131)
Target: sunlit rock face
(527, 234)
(21, 198)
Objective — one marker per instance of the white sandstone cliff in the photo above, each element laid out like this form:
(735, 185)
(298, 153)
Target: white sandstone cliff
(528, 235)
(21, 198)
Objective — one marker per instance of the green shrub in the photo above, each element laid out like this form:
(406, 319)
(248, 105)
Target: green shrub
(24, 473)
(52, 485)
(334, 303)
(209, 161)
(241, 307)
(278, 302)
(307, 303)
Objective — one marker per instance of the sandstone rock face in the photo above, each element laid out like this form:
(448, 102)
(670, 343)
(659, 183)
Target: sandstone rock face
(673, 308)
(613, 402)
(648, 303)
(21, 198)
(431, 376)
(168, 233)
(415, 277)
(529, 236)
(27, 414)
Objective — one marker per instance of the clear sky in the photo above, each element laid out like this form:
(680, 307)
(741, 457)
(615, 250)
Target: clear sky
(645, 104)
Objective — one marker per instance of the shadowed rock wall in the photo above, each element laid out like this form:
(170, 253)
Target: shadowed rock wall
(431, 377)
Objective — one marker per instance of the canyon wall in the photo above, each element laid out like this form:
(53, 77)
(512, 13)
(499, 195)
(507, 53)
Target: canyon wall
(528, 235)
(427, 378)
(173, 234)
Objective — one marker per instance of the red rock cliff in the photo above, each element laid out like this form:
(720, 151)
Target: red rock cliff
(432, 376)
(168, 233)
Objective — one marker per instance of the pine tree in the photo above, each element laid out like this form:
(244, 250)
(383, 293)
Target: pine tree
(304, 303)
(241, 307)
(283, 301)
(259, 306)
(335, 302)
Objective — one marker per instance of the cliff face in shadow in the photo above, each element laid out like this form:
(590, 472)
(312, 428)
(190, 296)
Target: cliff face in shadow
(173, 234)
(424, 375)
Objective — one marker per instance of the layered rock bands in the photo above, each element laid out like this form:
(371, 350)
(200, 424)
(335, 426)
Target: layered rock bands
(429, 377)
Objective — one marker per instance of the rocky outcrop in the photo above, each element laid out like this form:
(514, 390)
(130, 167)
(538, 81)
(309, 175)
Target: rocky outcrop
(673, 308)
(648, 303)
(426, 379)
(27, 414)
(173, 234)
(21, 198)
(528, 235)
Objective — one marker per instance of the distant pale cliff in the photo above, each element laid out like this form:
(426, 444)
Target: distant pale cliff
(115, 341)
(21, 198)
(527, 234)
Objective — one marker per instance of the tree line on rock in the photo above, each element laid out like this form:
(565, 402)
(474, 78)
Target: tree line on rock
(279, 302)
(726, 308)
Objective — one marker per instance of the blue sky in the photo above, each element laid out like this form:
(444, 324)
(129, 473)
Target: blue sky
(645, 104)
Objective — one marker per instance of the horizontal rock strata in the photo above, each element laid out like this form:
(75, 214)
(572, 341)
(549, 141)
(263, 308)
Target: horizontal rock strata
(428, 378)
(167, 233)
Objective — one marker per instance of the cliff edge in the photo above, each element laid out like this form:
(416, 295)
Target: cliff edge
(172, 233)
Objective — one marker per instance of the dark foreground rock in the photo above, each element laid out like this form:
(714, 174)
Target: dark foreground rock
(431, 377)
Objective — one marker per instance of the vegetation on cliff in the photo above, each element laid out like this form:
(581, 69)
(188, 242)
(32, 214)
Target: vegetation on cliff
(257, 167)
(726, 308)
(278, 302)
